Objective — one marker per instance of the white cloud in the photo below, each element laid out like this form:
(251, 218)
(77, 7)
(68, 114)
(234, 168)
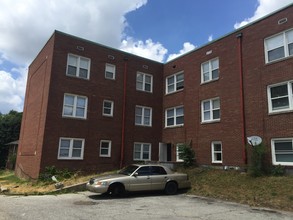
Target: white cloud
(25, 26)
(12, 90)
(186, 48)
(210, 38)
(149, 49)
(264, 7)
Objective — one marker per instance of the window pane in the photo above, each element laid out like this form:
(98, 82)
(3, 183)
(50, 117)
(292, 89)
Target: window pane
(138, 111)
(139, 77)
(290, 49)
(64, 153)
(137, 147)
(284, 158)
(180, 120)
(138, 120)
(65, 143)
(170, 113)
(109, 75)
(280, 103)
(77, 144)
(216, 114)
(83, 73)
(215, 64)
(69, 100)
(275, 42)
(147, 112)
(217, 147)
(216, 103)
(179, 111)
(218, 156)
(80, 102)
(180, 77)
(279, 91)
(276, 54)
(147, 87)
(72, 61)
(215, 74)
(170, 80)
(68, 110)
(107, 104)
(180, 85)
(283, 146)
(148, 79)
(71, 70)
(207, 116)
(104, 151)
(139, 85)
(76, 153)
(84, 63)
(206, 105)
(289, 36)
(171, 88)
(205, 67)
(170, 121)
(80, 112)
(206, 76)
(145, 156)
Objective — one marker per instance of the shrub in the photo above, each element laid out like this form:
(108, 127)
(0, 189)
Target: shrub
(278, 170)
(258, 167)
(186, 153)
(50, 171)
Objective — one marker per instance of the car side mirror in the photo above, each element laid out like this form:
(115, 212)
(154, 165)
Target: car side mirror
(135, 174)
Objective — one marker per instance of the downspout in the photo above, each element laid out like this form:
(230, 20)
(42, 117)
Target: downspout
(242, 106)
(123, 114)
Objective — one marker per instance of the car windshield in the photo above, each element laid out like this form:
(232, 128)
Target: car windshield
(128, 170)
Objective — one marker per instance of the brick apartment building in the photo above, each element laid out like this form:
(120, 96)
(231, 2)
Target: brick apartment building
(94, 108)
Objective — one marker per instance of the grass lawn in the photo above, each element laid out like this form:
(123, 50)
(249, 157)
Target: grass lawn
(269, 191)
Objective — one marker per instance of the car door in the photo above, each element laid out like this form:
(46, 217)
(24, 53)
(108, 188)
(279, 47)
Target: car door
(158, 177)
(141, 181)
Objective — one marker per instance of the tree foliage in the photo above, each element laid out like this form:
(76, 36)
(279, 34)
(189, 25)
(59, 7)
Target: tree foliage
(186, 153)
(9, 131)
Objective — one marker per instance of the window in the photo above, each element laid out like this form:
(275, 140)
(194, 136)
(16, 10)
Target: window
(174, 116)
(108, 107)
(144, 82)
(110, 71)
(282, 151)
(210, 70)
(142, 151)
(279, 46)
(143, 116)
(174, 83)
(178, 153)
(280, 97)
(71, 148)
(74, 106)
(105, 148)
(210, 110)
(216, 152)
(78, 66)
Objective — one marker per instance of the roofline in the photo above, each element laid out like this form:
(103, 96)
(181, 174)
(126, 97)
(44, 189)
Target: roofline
(233, 32)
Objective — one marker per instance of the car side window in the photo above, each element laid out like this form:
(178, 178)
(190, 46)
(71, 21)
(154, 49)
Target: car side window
(157, 170)
(144, 171)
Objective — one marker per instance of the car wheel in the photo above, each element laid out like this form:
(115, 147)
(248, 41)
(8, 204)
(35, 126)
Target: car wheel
(117, 190)
(171, 188)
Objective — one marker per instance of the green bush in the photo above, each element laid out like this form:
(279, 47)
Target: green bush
(258, 167)
(186, 153)
(278, 170)
(50, 171)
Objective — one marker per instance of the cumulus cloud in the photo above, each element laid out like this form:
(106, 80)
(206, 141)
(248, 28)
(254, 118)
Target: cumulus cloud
(186, 48)
(210, 38)
(147, 49)
(264, 7)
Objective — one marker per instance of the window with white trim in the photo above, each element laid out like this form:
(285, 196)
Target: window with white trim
(144, 82)
(279, 46)
(142, 151)
(78, 66)
(210, 70)
(108, 107)
(175, 82)
(174, 116)
(282, 151)
(105, 148)
(110, 71)
(143, 116)
(71, 148)
(217, 152)
(280, 97)
(210, 110)
(75, 106)
(178, 152)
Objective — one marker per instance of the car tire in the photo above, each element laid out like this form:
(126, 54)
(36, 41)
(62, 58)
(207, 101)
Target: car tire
(117, 190)
(171, 188)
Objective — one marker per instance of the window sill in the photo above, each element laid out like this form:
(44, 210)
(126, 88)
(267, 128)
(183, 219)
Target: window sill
(175, 126)
(281, 112)
(63, 158)
(70, 117)
(278, 60)
(177, 91)
(210, 81)
(210, 122)
(148, 92)
(146, 126)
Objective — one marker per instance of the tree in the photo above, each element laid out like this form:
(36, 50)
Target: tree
(186, 153)
(9, 131)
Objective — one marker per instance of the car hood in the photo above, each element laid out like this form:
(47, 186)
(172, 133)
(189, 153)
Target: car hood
(108, 177)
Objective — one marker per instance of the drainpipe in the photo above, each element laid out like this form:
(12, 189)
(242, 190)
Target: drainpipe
(242, 107)
(123, 114)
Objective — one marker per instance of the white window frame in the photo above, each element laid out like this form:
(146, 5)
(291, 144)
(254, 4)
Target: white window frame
(74, 106)
(178, 159)
(174, 109)
(78, 66)
(175, 84)
(289, 95)
(211, 109)
(286, 41)
(143, 116)
(274, 159)
(141, 151)
(143, 82)
(210, 70)
(108, 68)
(111, 108)
(103, 148)
(214, 152)
(71, 140)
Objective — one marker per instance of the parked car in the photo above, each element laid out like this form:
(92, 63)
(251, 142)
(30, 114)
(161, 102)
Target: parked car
(140, 178)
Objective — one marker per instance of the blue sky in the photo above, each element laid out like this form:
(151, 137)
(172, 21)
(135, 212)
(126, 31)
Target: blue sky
(156, 29)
